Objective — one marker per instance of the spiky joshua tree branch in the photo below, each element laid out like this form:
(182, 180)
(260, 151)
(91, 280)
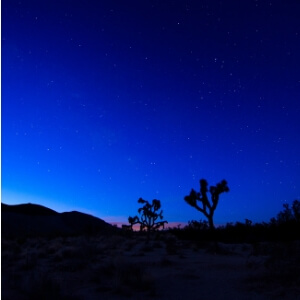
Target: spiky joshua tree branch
(205, 206)
(149, 216)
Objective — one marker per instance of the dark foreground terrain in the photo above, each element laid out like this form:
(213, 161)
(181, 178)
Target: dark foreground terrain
(118, 267)
(112, 264)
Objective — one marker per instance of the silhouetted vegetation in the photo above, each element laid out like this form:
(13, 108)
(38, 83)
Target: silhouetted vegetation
(149, 214)
(118, 264)
(207, 208)
(284, 227)
(289, 214)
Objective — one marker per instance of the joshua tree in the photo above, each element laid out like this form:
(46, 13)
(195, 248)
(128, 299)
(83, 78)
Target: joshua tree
(148, 216)
(207, 208)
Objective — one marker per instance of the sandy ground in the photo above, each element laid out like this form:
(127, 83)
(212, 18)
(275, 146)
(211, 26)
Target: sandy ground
(130, 267)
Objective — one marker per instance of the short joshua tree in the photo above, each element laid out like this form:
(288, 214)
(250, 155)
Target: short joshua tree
(149, 216)
(206, 207)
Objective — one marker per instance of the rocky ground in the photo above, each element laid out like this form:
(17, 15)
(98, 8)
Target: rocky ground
(131, 267)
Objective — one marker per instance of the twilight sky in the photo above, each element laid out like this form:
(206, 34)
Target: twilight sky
(104, 102)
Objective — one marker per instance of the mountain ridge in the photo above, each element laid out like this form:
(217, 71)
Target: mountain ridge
(29, 219)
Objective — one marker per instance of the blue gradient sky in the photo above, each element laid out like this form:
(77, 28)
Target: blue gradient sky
(104, 102)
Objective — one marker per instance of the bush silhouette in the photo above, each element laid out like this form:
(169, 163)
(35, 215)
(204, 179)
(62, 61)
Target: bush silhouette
(207, 208)
(289, 214)
(197, 225)
(148, 216)
(296, 210)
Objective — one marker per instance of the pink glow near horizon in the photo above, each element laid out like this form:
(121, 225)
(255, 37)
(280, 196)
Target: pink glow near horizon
(137, 227)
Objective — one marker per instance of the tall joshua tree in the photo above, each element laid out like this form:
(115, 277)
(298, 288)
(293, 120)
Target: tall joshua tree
(207, 207)
(149, 216)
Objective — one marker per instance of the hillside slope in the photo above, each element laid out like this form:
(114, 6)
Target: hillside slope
(37, 220)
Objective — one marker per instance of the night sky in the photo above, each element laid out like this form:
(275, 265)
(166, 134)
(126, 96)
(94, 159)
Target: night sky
(104, 102)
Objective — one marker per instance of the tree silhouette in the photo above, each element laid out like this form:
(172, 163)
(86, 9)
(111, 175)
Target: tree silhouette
(289, 214)
(148, 216)
(207, 208)
(286, 215)
(296, 210)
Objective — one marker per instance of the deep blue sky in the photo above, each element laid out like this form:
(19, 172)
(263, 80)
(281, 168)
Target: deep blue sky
(104, 102)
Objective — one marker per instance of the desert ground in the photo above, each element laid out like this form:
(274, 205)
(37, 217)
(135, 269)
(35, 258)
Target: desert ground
(131, 266)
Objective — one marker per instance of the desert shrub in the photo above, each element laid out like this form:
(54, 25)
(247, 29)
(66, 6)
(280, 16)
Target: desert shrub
(112, 243)
(70, 252)
(165, 262)
(147, 247)
(123, 277)
(171, 245)
(129, 245)
(286, 271)
(21, 240)
(134, 276)
(157, 245)
(54, 246)
(219, 248)
(30, 261)
(11, 247)
(41, 286)
(278, 264)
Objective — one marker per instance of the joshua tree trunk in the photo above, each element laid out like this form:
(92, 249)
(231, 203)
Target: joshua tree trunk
(211, 222)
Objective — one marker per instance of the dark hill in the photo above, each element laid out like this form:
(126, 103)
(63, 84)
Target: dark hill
(28, 209)
(36, 220)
